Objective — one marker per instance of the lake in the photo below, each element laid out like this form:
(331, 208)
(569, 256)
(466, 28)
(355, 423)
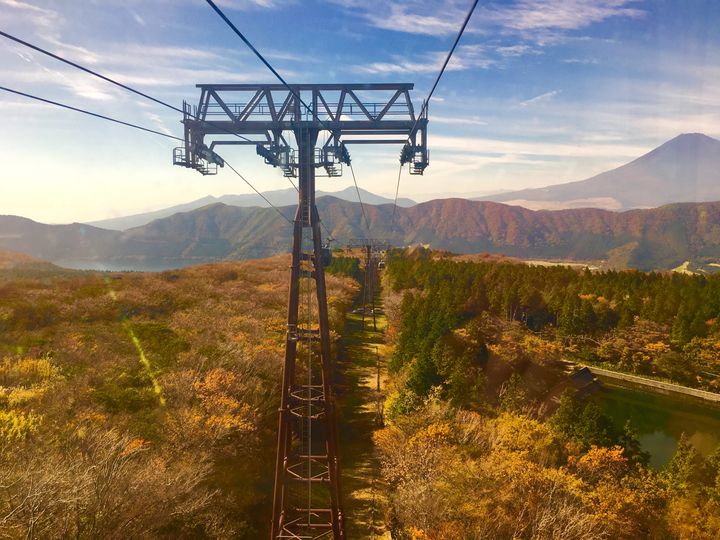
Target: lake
(139, 265)
(661, 419)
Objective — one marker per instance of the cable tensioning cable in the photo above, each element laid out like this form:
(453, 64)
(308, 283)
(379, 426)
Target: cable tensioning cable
(103, 117)
(447, 60)
(31, 96)
(87, 70)
(107, 79)
(256, 191)
(264, 61)
(362, 206)
(329, 237)
(432, 91)
(397, 190)
(329, 234)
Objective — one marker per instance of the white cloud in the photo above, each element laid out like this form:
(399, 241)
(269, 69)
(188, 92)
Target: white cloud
(443, 17)
(465, 57)
(547, 96)
(426, 18)
(516, 50)
(246, 4)
(138, 19)
(586, 61)
(541, 150)
(558, 14)
(14, 11)
(174, 68)
(159, 124)
(458, 120)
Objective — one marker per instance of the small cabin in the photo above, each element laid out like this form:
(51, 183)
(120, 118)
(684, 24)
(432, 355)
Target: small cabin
(585, 382)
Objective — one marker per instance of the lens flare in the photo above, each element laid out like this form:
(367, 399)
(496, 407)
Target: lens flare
(141, 352)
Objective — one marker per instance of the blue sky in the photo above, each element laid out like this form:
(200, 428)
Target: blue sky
(539, 92)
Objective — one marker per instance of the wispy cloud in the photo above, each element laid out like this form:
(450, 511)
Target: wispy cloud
(174, 69)
(30, 15)
(417, 17)
(442, 18)
(458, 120)
(517, 50)
(466, 57)
(585, 61)
(558, 14)
(138, 19)
(547, 96)
(159, 124)
(246, 4)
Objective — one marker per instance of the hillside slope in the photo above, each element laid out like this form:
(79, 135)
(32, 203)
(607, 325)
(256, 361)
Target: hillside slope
(151, 394)
(660, 238)
(281, 197)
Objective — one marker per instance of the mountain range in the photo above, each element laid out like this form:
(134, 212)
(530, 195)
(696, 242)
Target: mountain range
(684, 169)
(659, 238)
(281, 197)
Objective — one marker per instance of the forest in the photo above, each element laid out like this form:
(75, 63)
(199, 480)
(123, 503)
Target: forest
(473, 447)
(658, 324)
(144, 405)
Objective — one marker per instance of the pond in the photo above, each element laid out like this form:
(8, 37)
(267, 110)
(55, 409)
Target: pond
(661, 419)
(127, 265)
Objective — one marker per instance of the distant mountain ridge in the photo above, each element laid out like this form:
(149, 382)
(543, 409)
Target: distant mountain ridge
(684, 169)
(281, 197)
(660, 238)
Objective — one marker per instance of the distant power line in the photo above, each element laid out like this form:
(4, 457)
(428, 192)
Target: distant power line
(362, 206)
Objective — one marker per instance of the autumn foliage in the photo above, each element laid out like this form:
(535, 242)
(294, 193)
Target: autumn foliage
(142, 405)
(474, 448)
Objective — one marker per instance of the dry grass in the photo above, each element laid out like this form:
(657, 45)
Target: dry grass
(186, 363)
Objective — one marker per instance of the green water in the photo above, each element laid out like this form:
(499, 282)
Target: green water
(661, 419)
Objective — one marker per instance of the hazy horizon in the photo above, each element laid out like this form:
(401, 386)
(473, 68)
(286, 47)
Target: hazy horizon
(538, 93)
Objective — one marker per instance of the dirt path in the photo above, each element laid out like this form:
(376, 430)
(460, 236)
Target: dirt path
(360, 354)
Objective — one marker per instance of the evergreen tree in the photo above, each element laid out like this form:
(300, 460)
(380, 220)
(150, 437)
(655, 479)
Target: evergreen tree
(567, 414)
(630, 442)
(680, 332)
(587, 320)
(513, 397)
(688, 471)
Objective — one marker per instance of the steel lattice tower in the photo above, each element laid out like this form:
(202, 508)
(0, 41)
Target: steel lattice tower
(307, 502)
